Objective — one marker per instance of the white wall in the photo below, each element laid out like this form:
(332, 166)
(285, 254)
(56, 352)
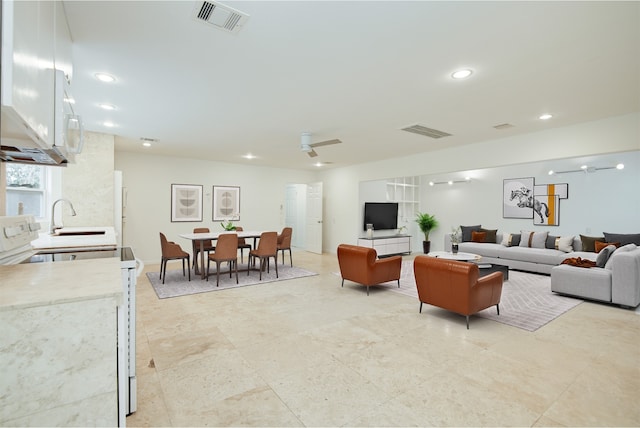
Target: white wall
(148, 180)
(341, 186)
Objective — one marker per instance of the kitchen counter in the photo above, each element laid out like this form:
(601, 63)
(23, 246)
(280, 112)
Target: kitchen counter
(59, 342)
(65, 240)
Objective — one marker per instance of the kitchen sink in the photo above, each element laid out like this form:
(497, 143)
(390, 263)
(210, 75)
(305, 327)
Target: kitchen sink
(78, 232)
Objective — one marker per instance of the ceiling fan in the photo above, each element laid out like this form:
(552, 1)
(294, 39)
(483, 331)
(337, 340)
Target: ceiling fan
(307, 146)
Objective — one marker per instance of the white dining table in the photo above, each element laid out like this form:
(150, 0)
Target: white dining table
(202, 237)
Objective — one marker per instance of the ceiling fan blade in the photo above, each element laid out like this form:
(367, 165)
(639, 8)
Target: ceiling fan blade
(326, 143)
(312, 153)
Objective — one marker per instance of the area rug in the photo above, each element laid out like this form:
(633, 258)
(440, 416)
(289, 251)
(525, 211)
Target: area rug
(176, 285)
(527, 301)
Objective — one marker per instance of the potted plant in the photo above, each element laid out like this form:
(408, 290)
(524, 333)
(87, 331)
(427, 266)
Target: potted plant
(228, 227)
(426, 223)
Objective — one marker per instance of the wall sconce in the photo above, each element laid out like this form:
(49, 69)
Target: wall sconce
(450, 182)
(587, 169)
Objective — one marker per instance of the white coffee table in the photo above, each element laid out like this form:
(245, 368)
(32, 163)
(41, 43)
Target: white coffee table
(460, 256)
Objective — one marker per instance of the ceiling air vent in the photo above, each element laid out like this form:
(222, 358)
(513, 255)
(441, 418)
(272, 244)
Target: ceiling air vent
(220, 16)
(427, 132)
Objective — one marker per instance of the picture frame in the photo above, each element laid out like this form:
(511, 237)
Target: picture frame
(226, 203)
(516, 195)
(186, 203)
(547, 203)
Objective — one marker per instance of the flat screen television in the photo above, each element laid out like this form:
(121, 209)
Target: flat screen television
(383, 215)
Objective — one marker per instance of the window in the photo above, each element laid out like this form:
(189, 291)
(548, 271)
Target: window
(26, 188)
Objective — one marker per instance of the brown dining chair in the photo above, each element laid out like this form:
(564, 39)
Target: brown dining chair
(226, 251)
(171, 251)
(284, 243)
(195, 245)
(267, 248)
(242, 244)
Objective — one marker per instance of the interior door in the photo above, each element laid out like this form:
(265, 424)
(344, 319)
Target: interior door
(314, 218)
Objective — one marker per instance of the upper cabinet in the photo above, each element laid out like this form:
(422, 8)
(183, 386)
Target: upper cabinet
(36, 51)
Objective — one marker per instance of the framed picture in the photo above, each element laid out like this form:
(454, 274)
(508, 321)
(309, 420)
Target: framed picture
(186, 202)
(546, 203)
(226, 203)
(517, 198)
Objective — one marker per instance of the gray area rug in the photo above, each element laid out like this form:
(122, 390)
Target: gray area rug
(527, 301)
(177, 285)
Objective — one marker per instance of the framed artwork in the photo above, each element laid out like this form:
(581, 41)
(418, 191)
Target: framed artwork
(186, 202)
(546, 203)
(226, 203)
(517, 197)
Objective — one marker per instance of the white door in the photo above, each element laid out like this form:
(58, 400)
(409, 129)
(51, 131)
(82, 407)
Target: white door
(314, 218)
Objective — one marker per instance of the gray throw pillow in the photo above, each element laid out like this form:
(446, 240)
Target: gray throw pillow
(466, 232)
(622, 238)
(604, 255)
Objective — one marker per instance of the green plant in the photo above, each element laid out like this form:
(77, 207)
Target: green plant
(426, 223)
(228, 227)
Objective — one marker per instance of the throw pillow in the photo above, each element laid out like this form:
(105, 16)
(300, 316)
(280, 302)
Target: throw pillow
(588, 242)
(600, 245)
(491, 235)
(478, 236)
(466, 232)
(551, 242)
(511, 239)
(604, 254)
(564, 243)
(533, 239)
(623, 238)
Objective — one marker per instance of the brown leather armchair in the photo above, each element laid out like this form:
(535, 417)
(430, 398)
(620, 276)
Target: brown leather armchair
(455, 285)
(359, 264)
(171, 251)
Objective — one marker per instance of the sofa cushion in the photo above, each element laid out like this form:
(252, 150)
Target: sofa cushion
(485, 249)
(600, 245)
(604, 255)
(478, 236)
(511, 239)
(466, 232)
(622, 238)
(491, 235)
(533, 239)
(533, 255)
(588, 242)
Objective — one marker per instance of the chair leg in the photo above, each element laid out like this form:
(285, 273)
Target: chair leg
(208, 264)
(290, 258)
(467, 322)
(367, 290)
(183, 272)
(163, 268)
(498, 308)
(342, 282)
(420, 307)
(235, 263)
(275, 262)
(188, 270)
(398, 283)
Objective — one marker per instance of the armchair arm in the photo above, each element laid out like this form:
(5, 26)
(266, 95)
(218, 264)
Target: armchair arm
(486, 291)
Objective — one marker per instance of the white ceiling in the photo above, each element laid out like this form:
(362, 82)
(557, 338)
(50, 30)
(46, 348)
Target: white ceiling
(354, 70)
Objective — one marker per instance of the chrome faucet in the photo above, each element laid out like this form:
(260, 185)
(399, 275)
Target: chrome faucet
(53, 211)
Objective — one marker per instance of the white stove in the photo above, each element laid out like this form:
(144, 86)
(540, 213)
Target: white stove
(16, 234)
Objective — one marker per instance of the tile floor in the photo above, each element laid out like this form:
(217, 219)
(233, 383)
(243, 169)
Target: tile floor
(307, 352)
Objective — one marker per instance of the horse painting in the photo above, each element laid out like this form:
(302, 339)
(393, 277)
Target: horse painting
(526, 200)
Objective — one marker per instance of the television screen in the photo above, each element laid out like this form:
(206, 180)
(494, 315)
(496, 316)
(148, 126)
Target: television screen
(383, 215)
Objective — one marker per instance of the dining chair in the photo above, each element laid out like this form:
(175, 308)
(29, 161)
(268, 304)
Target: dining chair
(267, 248)
(242, 244)
(171, 251)
(284, 243)
(195, 246)
(226, 251)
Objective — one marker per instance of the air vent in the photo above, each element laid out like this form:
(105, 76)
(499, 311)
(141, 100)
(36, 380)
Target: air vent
(503, 126)
(427, 132)
(220, 16)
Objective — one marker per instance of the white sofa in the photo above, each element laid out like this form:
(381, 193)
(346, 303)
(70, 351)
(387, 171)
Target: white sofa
(617, 282)
(538, 260)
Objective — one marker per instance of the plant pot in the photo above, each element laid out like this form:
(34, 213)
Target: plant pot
(454, 248)
(426, 246)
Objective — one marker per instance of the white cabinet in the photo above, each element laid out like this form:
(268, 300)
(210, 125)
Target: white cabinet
(388, 245)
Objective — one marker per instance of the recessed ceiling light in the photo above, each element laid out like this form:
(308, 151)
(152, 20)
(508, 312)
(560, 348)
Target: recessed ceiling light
(107, 106)
(583, 167)
(104, 77)
(545, 116)
(146, 144)
(620, 166)
(431, 183)
(550, 172)
(249, 156)
(461, 74)
(109, 124)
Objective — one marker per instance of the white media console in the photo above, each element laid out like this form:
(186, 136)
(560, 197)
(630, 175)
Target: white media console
(387, 245)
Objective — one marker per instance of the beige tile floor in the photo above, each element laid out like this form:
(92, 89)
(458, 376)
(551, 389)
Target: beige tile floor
(307, 352)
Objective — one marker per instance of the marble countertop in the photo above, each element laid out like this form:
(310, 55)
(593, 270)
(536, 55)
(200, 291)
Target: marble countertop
(62, 241)
(42, 284)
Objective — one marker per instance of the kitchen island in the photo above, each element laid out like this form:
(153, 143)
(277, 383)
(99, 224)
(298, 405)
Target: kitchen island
(59, 343)
(90, 238)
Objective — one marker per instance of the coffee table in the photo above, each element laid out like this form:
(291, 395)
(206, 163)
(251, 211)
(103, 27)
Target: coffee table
(487, 268)
(460, 256)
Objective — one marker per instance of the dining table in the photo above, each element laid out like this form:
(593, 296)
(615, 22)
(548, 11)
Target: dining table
(200, 238)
